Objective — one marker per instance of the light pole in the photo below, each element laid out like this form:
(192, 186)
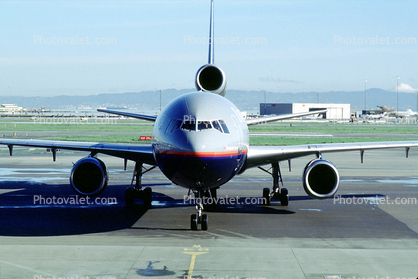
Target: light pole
(160, 99)
(160, 96)
(365, 103)
(265, 93)
(397, 94)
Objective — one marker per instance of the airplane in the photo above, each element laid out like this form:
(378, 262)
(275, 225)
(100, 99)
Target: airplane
(377, 116)
(407, 113)
(200, 142)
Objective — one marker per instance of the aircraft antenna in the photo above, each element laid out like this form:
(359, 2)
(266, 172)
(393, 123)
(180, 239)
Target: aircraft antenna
(211, 42)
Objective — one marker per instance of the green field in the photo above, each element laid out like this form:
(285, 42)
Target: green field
(337, 128)
(127, 131)
(78, 126)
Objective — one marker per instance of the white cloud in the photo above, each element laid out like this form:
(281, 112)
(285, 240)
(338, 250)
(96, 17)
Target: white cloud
(403, 87)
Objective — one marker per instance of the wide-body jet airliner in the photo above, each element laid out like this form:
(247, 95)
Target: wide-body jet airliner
(200, 141)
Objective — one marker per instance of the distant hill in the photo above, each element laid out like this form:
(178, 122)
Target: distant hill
(245, 100)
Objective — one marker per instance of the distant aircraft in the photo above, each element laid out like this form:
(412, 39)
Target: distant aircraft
(200, 142)
(376, 116)
(407, 113)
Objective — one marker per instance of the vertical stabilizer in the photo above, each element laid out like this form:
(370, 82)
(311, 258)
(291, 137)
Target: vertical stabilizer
(210, 78)
(211, 39)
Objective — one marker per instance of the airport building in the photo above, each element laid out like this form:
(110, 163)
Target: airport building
(335, 111)
(9, 109)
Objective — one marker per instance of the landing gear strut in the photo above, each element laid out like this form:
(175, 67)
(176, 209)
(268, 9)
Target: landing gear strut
(200, 218)
(137, 192)
(277, 194)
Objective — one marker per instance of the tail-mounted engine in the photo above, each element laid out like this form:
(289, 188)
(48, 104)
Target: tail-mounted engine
(89, 176)
(320, 179)
(210, 78)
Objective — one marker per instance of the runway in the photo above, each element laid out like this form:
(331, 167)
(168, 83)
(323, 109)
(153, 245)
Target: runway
(369, 230)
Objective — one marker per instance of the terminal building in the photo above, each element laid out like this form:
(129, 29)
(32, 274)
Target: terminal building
(9, 109)
(335, 111)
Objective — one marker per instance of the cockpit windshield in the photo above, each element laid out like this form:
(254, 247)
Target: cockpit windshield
(219, 125)
(189, 125)
(173, 125)
(203, 125)
(224, 127)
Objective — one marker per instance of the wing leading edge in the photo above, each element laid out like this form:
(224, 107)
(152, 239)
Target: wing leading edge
(128, 114)
(261, 120)
(126, 151)
(262, 155)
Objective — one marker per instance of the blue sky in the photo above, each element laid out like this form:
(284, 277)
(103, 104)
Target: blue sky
(278, 46)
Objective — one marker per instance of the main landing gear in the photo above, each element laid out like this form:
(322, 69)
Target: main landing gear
(133, 193)
(277, 194)
(202, 196)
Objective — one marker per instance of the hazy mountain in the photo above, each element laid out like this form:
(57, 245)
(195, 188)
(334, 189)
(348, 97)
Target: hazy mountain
(245, 100)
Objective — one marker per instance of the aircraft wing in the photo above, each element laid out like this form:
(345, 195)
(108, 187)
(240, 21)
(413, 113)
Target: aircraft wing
(125, 151)
(262, 155)
(128, 114)
(282, 117)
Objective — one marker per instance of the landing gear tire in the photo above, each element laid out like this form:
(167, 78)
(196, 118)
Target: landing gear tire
(199, 218)
(132, 193)
(204, 222)
(147, 197)
(284, 197)
(193, 222)
(266, 196)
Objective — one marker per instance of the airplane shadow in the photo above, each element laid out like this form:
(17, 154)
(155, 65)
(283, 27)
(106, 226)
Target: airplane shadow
(29, 209)
(22, 213)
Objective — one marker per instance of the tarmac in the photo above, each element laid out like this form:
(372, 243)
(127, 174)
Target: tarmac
(369, 230)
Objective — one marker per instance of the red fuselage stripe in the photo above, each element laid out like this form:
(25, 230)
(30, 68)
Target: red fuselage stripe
(215, 154)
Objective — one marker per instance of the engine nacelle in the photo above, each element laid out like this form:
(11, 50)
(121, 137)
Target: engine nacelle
(210, 78)
(320, 179)
(89, 176)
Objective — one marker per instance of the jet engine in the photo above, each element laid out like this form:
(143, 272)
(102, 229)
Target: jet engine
(89, 176)
(210, 78)
(320, 179)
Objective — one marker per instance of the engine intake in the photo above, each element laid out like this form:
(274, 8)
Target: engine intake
(320, 179)
(89, 176)
(210, 78)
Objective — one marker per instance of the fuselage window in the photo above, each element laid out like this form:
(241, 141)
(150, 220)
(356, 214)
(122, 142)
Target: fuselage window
(224, 127)
(203, 125)
(189, 125)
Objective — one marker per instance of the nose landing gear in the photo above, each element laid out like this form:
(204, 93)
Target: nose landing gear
(200, 218)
